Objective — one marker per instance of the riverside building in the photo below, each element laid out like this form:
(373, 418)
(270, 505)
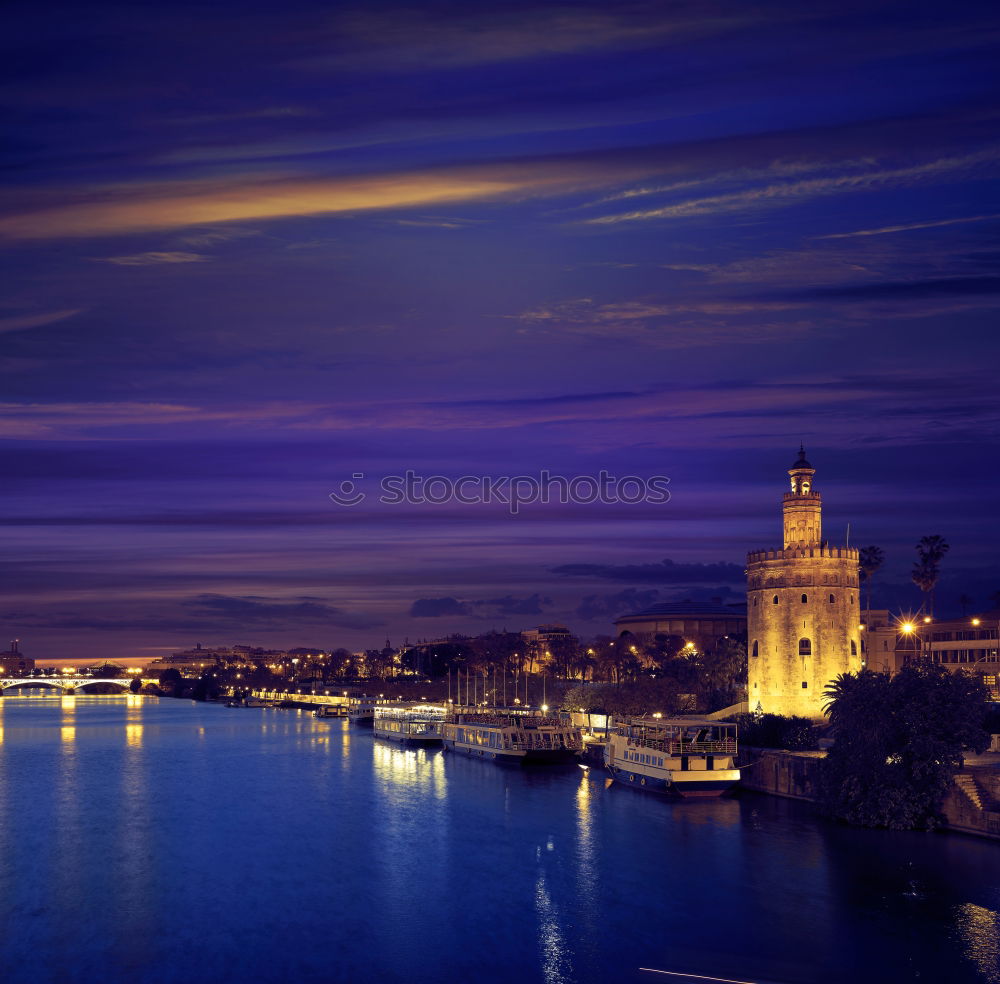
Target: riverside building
(803, 618)
(700, 623)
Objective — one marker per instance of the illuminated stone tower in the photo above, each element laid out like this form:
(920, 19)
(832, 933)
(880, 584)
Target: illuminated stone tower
(803, 619)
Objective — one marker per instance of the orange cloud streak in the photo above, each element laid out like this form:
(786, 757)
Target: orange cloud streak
(194, 204)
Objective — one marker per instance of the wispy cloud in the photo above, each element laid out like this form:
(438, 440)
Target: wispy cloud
(25, 321)
(508, 605)
(180, 204)
(677, 324)
(790, 193)
(54, 420)
(885, 230)
(215, 237)
(776, 169)
(399, 39)
(752, 413)
(436, 223)
(666, 572)
(263, 113)
(155, 259)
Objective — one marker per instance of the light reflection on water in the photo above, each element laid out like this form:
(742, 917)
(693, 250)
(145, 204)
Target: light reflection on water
(166, 842)
(979, 929)
(418, 771)
(556, 964)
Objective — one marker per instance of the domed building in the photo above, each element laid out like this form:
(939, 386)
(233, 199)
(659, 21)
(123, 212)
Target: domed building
(697, 622)
(803, 609)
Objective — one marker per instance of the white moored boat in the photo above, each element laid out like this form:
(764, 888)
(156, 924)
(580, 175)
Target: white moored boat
(361, 710)
(515, 736)
(686, 756)
(410, 724)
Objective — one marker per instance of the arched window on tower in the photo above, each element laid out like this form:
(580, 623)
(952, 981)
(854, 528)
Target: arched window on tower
(854, 648)
(755, 652)
(805, 647)
(774, 600)
(832, 599)
(805, 598)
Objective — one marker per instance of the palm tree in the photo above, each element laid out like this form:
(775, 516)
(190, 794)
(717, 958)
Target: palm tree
(926, 571)
(870, 559)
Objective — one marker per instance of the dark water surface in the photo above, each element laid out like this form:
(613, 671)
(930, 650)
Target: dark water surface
(166, 841)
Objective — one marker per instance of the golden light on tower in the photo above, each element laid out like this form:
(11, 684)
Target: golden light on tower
(803, 607)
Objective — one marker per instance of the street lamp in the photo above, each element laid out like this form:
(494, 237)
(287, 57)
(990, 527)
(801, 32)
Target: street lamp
(909, 629)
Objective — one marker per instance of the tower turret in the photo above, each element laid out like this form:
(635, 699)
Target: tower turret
(802, 608)
(802, 506)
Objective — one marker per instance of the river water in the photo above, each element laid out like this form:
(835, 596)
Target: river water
(146, 840)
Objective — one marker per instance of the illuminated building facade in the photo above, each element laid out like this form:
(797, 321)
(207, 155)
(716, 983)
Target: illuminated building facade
(803, 618)
(540, 643)
(14, 663)
(968, 643)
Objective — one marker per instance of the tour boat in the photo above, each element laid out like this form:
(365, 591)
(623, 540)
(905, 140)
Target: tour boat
(361, 710)
(686, 756)
(410, 724)
(331, 711)
(504, 735)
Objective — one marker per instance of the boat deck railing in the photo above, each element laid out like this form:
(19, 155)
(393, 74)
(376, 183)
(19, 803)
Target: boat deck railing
(522, 722)
(722, 746)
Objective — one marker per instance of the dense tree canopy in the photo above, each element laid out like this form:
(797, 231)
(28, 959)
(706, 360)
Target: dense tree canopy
(899, 741)
(625, 699)
(777, 731)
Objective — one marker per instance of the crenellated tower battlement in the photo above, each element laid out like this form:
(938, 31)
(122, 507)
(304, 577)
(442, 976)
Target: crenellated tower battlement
(803, 609)
(847, 553)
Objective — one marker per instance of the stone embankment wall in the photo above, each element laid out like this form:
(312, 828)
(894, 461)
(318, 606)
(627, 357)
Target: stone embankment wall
(791, 774)
(972, 805)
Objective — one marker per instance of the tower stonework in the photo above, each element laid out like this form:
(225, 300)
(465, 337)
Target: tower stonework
(803, 609)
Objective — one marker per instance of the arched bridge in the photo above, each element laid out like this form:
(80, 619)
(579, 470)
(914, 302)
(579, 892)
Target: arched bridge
(62, 684)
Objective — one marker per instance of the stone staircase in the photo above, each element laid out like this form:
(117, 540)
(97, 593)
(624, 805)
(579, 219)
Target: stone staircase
(968, 785)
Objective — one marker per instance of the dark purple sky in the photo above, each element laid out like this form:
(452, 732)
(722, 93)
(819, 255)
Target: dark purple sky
(251, 250)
